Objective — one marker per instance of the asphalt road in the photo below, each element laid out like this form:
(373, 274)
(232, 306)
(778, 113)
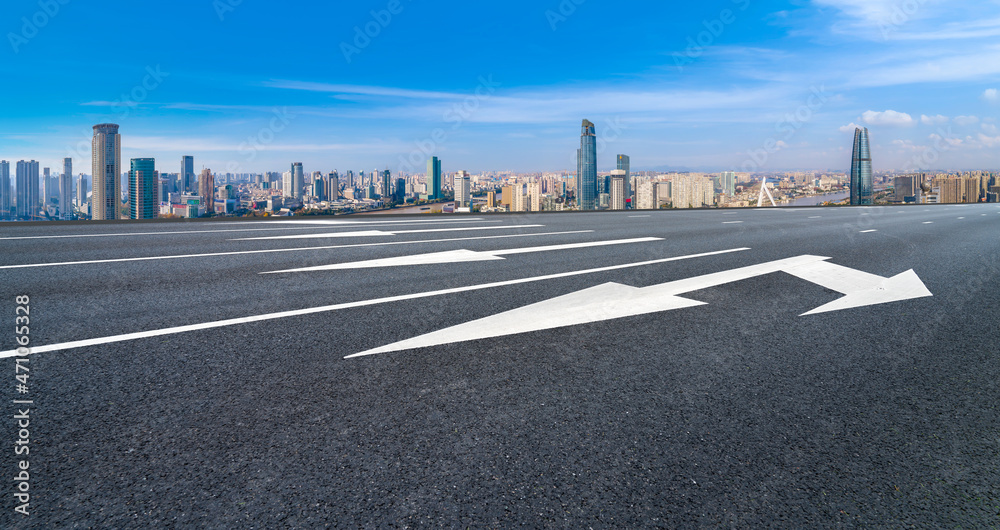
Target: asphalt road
(738, 413)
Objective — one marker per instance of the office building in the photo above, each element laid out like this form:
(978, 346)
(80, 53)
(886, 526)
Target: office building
(28, 199)
(185, 181)
(617, 190)
(907, 188)
(206, 189)
(81, 191)
(66, 190)
(106, 185)
(434, 179)
(586, 168)
(463, 190)
(727, 181)
(5, 190)
(862, 185)
(143, 181)
(399, 196)
(298, 181)
(623, 165)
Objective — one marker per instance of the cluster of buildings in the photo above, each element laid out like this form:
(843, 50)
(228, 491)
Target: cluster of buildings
(145, 193)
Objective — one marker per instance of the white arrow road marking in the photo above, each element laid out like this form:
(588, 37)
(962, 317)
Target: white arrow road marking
(301, 249)
(373, 233)
(337, 307)
(460, 256)
(612, 301)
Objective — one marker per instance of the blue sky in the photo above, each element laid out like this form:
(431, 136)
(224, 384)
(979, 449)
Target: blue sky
(714, 85)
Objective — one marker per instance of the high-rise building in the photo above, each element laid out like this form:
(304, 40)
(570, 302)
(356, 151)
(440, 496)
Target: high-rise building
(727, 181)
(206, 189)
(142, 189)
(862, 185)
(386, 186)
(586, 168)
(27, 190)
(399, 194)
(623, 165)
(66, 189)
(81, 191)
(463, 190)
(298, 180)
(517, 199)
(434, 179)
(617, 189)
(49, 191)
(534, 197)
(106, 168)
(691, 191)
(971, 187)
(185, 180)
(5, 201)
(332, 187)
(907, 188)
(646, 196)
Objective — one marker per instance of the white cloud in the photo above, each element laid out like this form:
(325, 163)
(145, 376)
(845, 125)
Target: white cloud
(990, 128)
(890, 118)
(991, 95)
(953, 142)
(965, 121)
(933, 120)
(989, 141)
(850, 127)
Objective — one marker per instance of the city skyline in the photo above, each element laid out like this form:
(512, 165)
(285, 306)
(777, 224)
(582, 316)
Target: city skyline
(718, 87)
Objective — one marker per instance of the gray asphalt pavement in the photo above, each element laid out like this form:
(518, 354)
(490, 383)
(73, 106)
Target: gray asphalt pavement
(738, 413)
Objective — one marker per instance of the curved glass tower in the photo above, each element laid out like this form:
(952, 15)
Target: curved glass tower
(861, 169)
(586, 167)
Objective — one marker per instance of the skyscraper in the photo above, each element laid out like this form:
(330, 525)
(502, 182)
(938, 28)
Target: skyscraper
(27, 190)
(66, 189)
(142, 183)
(298, 180)
(185, 181)
(463, 190)
(434, 178)
(206, 189)
(861, 170)
(81, 191)
(586, 164)
(106, 167)
(332, 187)
(399, 194)
(616, 190)
(727, 180)
(5, 190)
(386, 188)
(623, 165)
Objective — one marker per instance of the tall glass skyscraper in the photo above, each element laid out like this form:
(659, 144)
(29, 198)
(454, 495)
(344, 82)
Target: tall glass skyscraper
(586, 168)
(66, 190)
(142, 189)
(298, 180)
(434, 178)
(28, 198)
(861, 170)
(5, 190)
(106, 184)
(185, 181)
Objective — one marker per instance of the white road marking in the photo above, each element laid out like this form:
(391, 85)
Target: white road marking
(379, 233)
(732, 222)
(730, 213)
(613, 301)
(123, 234)
(349, 305)
(816, 217)
(868, 231)
(329, 247)
(928, 222)
(460, 256)
(961, 218)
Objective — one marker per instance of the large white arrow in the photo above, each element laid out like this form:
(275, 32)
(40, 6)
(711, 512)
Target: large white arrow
(460, 256)
(612, 300)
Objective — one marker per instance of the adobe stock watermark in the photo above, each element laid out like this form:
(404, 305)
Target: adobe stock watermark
(151, 81)
(457, 115)
(372, 29)
(30, 27)
(249, 149)
(942, 141)
(787, 127)
(563, 11)
(902, 13)
(225, 6)
(713, 30)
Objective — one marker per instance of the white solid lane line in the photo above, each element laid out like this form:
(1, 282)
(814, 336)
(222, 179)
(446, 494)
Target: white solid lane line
(732, 222)
(328, 247)
(868, 231)
(313, 226)
(928, 222)
(459, 256)
(336, 307)
(378, 233)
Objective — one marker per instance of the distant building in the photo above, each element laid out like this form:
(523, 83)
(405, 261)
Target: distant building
(463, 190)
(399, 193)
(434, 179)
(81, 191)
(646, 196)
(623, 165)
(106, 168)
(27, 190)
(142, 189)
(206, 189)
(298, 181)
(66, 190)
(617, 190)
(586, 168)
(185, 180)
(727, 181)
(689, 191)
(491, 199)
(534, 198)
(5, 190)
(862, 185)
